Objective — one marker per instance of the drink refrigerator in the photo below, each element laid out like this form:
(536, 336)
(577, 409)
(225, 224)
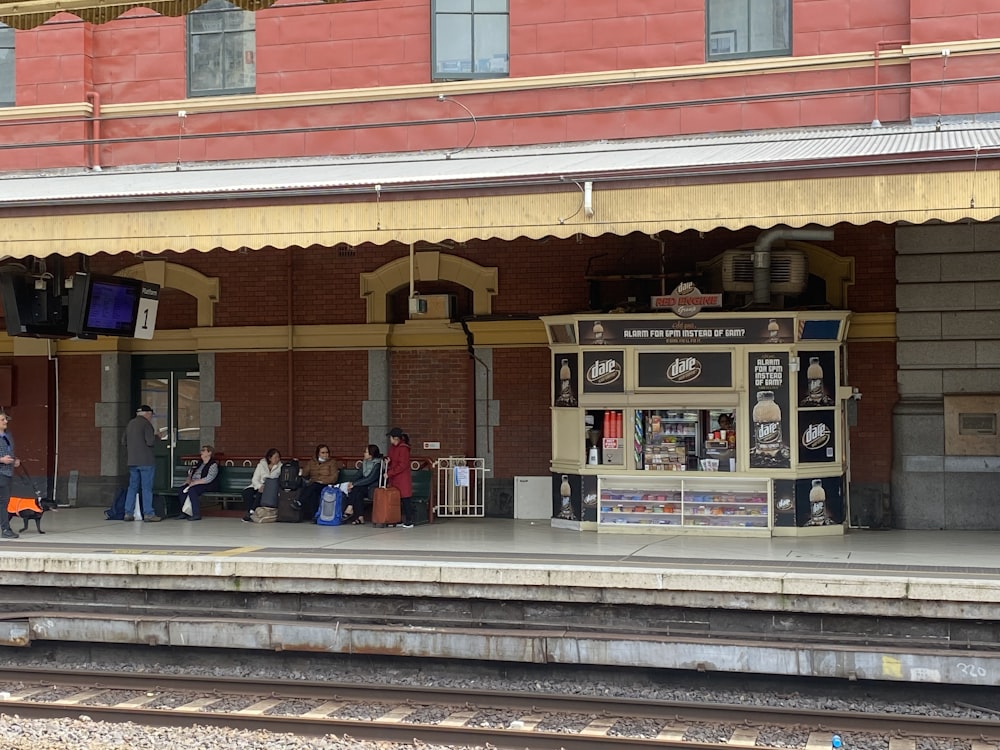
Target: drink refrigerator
(671, 439)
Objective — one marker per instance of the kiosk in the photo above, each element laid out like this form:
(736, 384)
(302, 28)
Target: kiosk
(716, 423)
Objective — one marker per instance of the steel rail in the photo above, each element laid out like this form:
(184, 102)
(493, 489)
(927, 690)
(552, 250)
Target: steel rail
(602, 706)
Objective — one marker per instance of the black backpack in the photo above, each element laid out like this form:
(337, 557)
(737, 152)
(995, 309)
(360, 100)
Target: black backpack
(289, 478)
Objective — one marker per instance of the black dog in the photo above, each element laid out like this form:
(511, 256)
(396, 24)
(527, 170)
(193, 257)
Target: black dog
(30, 508)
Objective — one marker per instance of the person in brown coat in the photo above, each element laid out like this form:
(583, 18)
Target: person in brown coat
(319, 471)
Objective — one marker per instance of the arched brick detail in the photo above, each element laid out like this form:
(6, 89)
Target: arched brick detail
(205, 289)
(377, 285)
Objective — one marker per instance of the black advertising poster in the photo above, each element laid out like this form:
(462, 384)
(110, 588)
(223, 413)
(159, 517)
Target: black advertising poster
(784, 502)
(588, 504)
(819, 502)
(567, 490)
(684, 331)
(604, 371)
(816, 379)
(685, 370)
(564, 371)
(817, 438)
(769, 393)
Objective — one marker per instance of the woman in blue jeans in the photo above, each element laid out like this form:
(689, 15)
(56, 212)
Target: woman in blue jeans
(201, 478)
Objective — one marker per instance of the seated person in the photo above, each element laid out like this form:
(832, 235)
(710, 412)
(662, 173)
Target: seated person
(268, 467)
(361, 490)
(201, 478)
(319, 471)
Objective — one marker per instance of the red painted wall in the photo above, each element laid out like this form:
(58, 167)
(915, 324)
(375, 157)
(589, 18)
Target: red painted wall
(141, 57)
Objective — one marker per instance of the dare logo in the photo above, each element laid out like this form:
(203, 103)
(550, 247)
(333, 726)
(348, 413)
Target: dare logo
(684, 370)
(815, 436)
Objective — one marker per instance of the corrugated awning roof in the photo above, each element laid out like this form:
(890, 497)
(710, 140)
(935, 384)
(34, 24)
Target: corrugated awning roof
(27, 14)
(889, 174)
(770, 152)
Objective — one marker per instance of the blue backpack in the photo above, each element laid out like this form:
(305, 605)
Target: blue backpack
(117, 510)
(331, 506)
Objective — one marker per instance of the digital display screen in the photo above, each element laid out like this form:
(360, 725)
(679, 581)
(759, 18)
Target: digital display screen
(111, 308)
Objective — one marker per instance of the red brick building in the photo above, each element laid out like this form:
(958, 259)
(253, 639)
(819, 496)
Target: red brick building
(292, 176)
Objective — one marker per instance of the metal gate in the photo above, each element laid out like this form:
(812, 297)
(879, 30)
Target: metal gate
(461, 488)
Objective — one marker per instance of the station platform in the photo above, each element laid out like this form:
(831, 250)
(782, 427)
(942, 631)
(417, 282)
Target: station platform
(507, 542)
(886, 605)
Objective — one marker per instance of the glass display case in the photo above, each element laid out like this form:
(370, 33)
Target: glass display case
(738, 505)
(669, 439)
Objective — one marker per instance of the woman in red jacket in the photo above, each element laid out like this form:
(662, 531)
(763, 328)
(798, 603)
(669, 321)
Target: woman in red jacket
(398, 472)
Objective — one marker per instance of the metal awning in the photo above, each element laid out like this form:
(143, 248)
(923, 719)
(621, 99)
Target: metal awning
(27, 14)
(912, 173)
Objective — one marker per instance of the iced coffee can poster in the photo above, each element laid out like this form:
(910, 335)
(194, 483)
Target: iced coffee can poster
(769, 403)
(564, 368)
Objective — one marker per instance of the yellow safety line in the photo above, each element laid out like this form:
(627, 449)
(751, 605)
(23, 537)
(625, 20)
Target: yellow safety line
(234, 551)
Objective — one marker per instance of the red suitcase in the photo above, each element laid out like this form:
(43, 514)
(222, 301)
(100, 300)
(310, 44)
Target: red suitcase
(385, 506)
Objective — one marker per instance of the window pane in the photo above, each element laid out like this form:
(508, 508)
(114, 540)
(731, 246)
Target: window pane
(454, 44)
(491, 44)
(744, 28)
(6, 65)
(221, 49)
(491, 6)
(453, 6)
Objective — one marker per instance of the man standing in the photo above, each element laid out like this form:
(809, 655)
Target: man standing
(140, 437)
(8, 462)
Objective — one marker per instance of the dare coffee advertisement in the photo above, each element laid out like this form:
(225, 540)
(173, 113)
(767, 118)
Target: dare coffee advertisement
(693, 369)
(564, 370)
(817, 439)
(671, 330)
(769, 396)
(604, 371)
(816, 379)
(819, 502)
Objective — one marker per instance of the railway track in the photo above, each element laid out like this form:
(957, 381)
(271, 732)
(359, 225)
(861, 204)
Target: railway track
(453, 717)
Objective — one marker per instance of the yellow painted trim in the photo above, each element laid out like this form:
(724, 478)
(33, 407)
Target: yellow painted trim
(377, 285)
(872, 327)
(914, 197)
(47, 111)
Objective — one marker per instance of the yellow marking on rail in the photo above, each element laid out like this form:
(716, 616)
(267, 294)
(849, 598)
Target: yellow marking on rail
(197, 705)
(72, 700)
(902, 743)
(260, 707)
(234, 551)
(673, 733)
(745, 737)
(324, 710)
(458, 719)
(599, 726)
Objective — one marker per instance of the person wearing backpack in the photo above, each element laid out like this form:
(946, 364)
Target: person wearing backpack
(320, 471)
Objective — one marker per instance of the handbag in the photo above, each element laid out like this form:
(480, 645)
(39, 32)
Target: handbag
(186, 508)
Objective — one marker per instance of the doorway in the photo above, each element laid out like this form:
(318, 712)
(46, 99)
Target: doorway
(171, 384)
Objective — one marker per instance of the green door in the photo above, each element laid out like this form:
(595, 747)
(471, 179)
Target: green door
(172, 387)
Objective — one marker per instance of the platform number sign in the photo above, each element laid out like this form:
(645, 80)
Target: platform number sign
(149, 301)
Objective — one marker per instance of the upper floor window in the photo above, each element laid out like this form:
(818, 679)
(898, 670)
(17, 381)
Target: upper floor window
(221, 50)
(748, 28)
(6, 65)
(469, 39)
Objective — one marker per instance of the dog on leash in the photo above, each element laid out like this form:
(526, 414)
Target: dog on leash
(30, 508)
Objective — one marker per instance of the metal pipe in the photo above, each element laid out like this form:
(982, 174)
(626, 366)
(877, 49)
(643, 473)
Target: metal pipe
(95, 130)
(762, 256)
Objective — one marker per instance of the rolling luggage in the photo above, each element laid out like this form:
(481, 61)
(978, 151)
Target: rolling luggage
(385, 503)
(289, 507)
(289, 477)
(166, 506)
